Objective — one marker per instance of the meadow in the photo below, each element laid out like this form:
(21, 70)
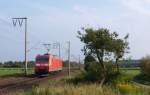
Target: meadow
(123, 86)
(13, 71)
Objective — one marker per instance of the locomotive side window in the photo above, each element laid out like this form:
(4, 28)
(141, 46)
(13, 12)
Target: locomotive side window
(42, 59)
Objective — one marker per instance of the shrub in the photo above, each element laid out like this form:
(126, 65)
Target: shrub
(88, 59)
(94, 74)
(145, 65)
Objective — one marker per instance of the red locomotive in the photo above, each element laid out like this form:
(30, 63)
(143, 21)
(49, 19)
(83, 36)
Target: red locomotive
(47, 63)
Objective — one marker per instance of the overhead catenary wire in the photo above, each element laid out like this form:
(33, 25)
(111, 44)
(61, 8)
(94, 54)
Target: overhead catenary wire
(33, 37)
(5, 35)
(19, 42)
(5, 22)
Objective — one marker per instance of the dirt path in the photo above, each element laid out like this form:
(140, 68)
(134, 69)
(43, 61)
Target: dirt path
(12, 84)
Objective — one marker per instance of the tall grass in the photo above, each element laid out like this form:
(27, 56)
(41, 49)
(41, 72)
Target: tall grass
(122, 86)
(92, 89)
(132, 89)
(88, 89)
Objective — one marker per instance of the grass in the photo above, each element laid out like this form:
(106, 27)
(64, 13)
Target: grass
(70, 89)
(123, 86)
(13, 71)
(128, 74)
(131, 71)
(136, 75)
(59, 87)
(132, 89)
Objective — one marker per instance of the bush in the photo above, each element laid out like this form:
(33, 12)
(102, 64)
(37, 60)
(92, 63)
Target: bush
(145, 65)
(87, 61)
(94, 73)
(143, 79)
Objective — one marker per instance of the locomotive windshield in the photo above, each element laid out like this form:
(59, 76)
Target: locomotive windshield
(42, 59)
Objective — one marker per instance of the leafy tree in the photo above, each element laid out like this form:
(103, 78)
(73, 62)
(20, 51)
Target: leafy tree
(120, 47)
(145, 65)
(101, 43)
(88, 59)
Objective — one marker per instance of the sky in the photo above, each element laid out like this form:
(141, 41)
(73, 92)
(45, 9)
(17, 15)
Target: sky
(51, 21)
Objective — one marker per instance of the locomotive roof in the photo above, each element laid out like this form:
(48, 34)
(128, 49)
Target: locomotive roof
(46, 55)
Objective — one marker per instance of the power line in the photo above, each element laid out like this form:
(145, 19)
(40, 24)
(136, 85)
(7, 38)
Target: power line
(6, 29)
(6, 36)
(5, 21)
(34, 47)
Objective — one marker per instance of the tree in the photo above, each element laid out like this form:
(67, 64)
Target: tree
(88, 59)
(145, 65)
(120, 47)
(97, 43)
(101, 43)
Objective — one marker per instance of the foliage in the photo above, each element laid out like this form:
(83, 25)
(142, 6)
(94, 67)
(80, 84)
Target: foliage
(101, 44)
(16, 64)
(94, 74)
(143, 79)
(120, 47)
(88, 59)
(144, 76)
(145, 65)
(72, 63)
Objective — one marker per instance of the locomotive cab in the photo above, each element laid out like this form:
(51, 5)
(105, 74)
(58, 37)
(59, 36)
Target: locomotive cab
(41, 64)
(47, 63)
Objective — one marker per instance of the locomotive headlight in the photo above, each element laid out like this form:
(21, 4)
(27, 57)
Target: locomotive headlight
(41, 64)
(45, 64)
(37, 64)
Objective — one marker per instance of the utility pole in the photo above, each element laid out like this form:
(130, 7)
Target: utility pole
(79, 63)
(69, 58)
(59, 51)
(20, 22)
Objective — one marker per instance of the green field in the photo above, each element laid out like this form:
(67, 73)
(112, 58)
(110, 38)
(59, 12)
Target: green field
(131, 71)
(13, 71)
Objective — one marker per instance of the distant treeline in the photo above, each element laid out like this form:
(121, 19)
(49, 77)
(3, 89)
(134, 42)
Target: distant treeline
(72, 64)
(20, 64)
(16, 64)
(129, 63)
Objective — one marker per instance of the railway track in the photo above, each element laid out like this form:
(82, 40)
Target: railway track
(14, 84)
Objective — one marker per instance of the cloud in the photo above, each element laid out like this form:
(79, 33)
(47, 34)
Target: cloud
(138, 6)
(84, 9)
